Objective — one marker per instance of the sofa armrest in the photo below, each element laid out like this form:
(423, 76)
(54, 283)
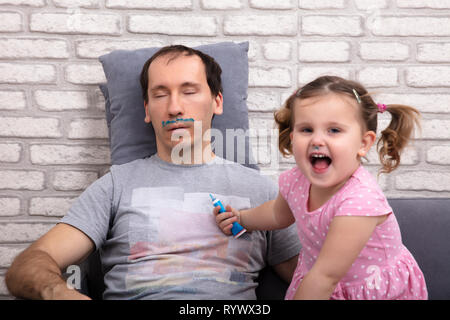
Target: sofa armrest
(425, 228)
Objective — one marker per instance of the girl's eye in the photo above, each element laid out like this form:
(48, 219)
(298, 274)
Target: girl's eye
(306, 130)
(335, 130)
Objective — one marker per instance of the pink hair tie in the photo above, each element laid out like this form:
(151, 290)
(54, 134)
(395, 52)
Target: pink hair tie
(381, 107)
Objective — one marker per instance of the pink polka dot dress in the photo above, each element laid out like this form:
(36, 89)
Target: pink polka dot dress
(385, 269)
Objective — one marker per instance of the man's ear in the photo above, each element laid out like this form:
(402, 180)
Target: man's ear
(218, 103)
(147, 113)
(367, 141)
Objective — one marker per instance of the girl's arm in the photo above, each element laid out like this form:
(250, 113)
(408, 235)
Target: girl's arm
(271, 215)
(346, 237)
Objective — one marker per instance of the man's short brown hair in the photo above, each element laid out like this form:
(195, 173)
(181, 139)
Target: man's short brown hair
(212, 68)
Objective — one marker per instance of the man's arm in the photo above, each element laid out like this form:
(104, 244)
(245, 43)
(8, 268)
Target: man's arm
(36, 272)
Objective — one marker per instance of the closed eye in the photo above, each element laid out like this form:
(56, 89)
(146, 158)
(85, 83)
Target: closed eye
(159, 94)
(190, 88)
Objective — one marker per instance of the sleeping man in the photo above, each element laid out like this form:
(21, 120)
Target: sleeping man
(152, 219)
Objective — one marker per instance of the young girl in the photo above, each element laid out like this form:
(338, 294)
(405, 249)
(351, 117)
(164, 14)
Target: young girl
(352, 247)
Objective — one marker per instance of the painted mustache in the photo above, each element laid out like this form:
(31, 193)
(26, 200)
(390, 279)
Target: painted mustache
(165, 123)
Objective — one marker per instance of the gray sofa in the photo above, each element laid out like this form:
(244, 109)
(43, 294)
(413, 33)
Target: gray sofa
(425, 227)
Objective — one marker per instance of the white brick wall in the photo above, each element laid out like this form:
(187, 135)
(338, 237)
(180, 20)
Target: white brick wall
(53, 134)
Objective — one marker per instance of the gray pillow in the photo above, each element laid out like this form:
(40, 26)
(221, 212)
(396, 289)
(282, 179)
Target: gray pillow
(131, 138)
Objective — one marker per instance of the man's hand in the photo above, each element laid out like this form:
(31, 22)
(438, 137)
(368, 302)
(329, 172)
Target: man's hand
(63, 292)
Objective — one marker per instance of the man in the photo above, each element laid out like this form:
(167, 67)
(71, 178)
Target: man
(152, 219)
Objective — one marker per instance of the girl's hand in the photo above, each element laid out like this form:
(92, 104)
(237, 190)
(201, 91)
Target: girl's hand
(225, 220)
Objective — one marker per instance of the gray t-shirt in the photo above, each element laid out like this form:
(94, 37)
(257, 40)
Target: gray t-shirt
(153, 222)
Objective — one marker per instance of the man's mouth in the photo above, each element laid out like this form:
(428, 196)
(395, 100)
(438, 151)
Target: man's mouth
(176, 126)
(319, 161)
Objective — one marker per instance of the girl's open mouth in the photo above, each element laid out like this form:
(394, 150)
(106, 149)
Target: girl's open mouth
(320, 162)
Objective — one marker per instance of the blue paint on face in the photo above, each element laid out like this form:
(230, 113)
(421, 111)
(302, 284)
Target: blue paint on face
(165, 123)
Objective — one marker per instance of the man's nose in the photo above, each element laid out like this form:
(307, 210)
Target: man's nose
(175, 105)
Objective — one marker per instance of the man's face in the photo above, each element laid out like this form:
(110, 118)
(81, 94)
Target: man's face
(178, 95)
